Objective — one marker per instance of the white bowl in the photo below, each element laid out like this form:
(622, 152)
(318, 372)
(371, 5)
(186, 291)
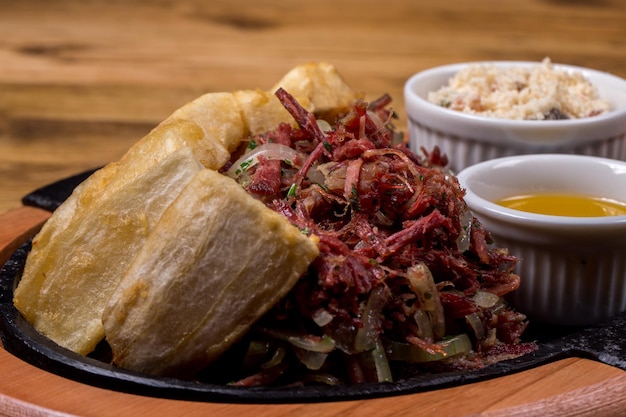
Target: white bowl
(572, 269)
(468, 139)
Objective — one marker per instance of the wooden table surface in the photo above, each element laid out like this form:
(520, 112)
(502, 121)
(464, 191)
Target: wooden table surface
(80, 81)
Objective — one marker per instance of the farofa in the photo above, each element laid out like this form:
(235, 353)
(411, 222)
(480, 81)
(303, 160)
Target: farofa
(537, 93)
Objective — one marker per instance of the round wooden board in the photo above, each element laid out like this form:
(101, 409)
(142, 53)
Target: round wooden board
(568, 387)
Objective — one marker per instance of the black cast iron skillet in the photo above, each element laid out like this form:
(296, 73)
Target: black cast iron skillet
(604, 343)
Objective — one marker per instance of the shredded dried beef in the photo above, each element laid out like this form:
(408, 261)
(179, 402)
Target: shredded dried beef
(378, 210)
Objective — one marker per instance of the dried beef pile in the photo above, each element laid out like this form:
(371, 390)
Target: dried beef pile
(406, 279)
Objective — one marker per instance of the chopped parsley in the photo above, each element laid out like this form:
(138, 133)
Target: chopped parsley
(244, 166)
(292, 190)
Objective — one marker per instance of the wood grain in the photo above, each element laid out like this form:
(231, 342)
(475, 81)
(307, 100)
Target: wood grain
(80, 81)
(555, 389)
(19, 225)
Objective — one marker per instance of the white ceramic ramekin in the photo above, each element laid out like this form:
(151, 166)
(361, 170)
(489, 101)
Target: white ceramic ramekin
(468, 139)
(572, 269)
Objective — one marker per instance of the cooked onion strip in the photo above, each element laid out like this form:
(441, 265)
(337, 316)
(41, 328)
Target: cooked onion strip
(322, 317)
(367, 336)
(375, 362)
(312, 360)
(274, 151)
(323, 344)
(422, 282)
(384, 217)
(424, 325)
(463, 241)
(476, 324)
(486, 299)
(406, 352)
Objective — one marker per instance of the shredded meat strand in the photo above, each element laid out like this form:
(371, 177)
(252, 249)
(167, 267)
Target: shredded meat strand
(378, 210)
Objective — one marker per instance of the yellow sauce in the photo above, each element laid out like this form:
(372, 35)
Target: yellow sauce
(565, 205)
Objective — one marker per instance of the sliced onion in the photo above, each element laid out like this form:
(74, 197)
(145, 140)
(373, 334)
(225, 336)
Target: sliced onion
(322, 317)
(383, 371)
(376, 361)
(485, 299)
(312, 360)
(323, 344)
(276, 359)
(367, 335)
(334, 175)
(268, 150)
(463, 241)
(273, 151)
(324, 125)
(476, 324)
(406, 352)
(422, 283)
(424, 326)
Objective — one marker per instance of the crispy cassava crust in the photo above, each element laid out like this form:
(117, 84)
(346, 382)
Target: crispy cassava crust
(183, 301)
(81, 254)
(70, 273)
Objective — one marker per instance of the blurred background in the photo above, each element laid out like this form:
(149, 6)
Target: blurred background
(81, 81)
